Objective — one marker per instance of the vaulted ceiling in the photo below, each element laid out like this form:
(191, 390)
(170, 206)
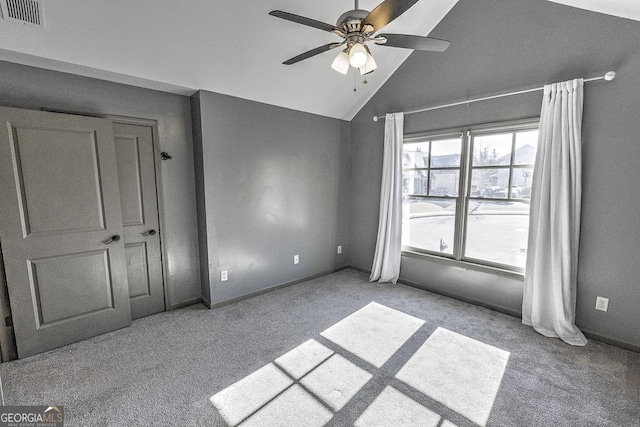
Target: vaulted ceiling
(229, 47)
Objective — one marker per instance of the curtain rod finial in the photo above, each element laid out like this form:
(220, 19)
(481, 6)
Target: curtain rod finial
(375, 118)
(610, 76)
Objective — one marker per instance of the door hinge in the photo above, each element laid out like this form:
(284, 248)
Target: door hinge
(8, 321)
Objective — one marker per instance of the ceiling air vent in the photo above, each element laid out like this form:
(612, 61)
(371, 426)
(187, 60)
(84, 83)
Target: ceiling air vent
(28, 12)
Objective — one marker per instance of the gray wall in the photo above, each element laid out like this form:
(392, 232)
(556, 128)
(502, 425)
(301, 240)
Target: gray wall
(273, 183)
(500, 46)
(34, 88)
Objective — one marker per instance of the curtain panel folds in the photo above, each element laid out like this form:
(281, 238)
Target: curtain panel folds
(386, 260)
(549, 301)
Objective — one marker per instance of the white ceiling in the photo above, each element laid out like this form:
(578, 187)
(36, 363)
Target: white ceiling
(232, 47)
(622, 8)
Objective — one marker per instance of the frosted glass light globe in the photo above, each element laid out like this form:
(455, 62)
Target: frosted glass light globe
(341, 63)
(357, 55)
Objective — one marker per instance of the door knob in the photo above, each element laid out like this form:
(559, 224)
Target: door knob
(113, 238)
(149, 233)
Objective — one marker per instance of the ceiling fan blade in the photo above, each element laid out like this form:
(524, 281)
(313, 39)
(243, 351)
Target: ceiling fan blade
(302, 20)
(386, 12)
(414, 42)
(312, 52)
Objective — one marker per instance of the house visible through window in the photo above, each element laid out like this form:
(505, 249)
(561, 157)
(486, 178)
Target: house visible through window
(466, 195)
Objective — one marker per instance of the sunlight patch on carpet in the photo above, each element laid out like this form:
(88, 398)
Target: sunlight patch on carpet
(303, 359)
(457, 371)
(294, 407)
(393, 408)
(311, 383)
(373, 333)
(244, 397)
(336, 381)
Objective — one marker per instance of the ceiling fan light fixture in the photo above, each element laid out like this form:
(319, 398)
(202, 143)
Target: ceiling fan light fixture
(357, 27)
(357, 55)
(341, 63)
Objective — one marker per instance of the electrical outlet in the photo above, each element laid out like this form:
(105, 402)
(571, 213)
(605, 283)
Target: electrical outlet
(296, 259)
(602, 303)
(224, 276)
(340, 249)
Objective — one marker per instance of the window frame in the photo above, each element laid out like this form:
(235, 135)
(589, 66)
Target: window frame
(467, 135)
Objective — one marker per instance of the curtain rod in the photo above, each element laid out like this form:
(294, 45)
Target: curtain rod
(608, 77)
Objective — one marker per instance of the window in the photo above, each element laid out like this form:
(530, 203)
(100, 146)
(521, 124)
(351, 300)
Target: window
(431, 184)
(466, 195)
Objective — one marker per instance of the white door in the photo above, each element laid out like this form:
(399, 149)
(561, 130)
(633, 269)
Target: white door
(61, 228)
(137, 179)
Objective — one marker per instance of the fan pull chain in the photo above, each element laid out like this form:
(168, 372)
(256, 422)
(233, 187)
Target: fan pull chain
(354, 82)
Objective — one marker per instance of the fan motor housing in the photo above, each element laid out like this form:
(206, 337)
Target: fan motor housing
(350, 22)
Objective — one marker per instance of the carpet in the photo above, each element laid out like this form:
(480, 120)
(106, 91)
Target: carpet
(165, 368)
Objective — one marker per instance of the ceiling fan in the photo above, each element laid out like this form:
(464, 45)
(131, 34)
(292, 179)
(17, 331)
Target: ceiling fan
(357, 27)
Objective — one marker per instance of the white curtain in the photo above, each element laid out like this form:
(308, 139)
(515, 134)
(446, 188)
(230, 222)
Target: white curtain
(552, 256)
(386, 261)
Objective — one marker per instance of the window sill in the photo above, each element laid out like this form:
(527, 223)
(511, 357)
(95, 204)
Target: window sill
(468, 265)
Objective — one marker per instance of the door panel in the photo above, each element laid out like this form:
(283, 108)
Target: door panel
(59, 204)
(137, 270)
(41, 170)
(129, 177)
(54, 284)
(136, 177)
